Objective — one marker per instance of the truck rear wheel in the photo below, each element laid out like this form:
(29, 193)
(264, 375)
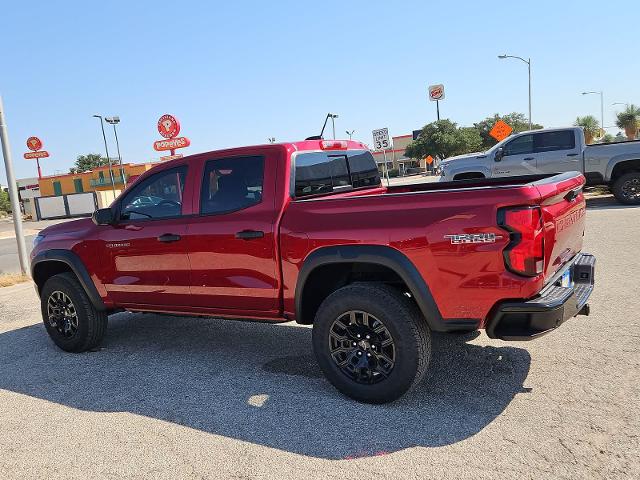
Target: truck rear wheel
(371, 342)
(626, 188)
(71, 320)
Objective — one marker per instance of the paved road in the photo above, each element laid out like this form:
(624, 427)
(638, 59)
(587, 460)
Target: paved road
(9, 262)
(169, 397)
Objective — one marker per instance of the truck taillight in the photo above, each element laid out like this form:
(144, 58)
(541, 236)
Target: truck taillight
(334, 144)
(524, 254)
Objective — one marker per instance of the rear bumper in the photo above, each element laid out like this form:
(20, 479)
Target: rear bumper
(529, 319)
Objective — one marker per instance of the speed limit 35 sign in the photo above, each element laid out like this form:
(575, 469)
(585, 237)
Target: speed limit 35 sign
(381, 139)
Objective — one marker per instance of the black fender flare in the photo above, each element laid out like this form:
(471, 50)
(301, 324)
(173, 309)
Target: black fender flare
(393, 259)
(77, 267)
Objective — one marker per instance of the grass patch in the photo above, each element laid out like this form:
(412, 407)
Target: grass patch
(8, 279)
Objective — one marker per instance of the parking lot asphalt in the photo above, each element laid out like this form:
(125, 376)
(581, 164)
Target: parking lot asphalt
(169, 397)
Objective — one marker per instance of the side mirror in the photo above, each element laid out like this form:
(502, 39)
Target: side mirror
(499, 154)
(103, 216)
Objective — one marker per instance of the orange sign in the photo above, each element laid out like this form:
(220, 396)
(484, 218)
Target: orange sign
(500, 130)
(171, 144)
(429, 160)
(39, 154)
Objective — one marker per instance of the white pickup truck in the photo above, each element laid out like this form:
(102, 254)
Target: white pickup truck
(555, 150)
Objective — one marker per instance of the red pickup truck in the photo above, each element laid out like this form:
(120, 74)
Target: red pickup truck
(306, 232)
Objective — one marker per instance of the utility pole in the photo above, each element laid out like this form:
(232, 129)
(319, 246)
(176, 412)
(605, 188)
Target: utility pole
(113, 183)
(13, 192)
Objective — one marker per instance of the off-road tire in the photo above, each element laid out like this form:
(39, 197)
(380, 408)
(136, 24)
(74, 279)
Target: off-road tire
(403, 320)
(91, 323)
(618, 188)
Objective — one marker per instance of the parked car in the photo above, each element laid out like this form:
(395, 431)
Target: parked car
(555, 150)
(306, 232)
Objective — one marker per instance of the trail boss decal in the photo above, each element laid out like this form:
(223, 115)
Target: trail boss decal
(458, 238)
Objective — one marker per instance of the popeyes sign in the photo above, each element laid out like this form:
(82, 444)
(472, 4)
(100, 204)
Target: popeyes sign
(169, 128)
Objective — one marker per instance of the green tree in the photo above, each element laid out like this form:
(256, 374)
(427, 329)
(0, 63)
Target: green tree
(5, 204)
(444, 139)
(629, 121)
(590, 125)
(515, 120)
(608, 138)
(88, 162)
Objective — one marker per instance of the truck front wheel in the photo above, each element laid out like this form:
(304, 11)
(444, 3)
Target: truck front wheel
(71, 320)
(626, 188)
(371, 342)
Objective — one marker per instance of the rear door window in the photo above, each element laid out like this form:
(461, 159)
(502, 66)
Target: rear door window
(324, 172)
(231, 184)
(550, 141)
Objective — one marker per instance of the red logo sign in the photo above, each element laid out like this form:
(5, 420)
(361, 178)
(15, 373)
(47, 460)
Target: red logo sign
(168, 126)
(32, 155)
(34, 143)
(171, 144)
(436, 92)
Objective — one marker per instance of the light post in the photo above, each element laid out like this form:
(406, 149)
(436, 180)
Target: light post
(113, 184)
(272, 139)
(528, 62)
(331, 116)
(114, 121)
(601, 106)
(350, 133)
(333, 123)
(13, 193)
(626, 105)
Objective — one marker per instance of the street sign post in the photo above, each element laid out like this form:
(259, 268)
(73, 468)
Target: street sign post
(35, 145)
(381, 142)
(436, 93)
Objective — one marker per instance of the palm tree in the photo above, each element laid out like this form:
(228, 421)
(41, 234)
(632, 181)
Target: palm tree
(629, 121)
(590, 125)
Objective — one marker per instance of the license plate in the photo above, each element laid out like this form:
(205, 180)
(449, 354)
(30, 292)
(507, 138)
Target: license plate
(566, 280)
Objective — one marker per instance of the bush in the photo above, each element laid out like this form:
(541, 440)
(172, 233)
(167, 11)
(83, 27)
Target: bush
(5, 204)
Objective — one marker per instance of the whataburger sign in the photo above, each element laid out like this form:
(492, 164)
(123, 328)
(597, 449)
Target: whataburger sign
(169, 127)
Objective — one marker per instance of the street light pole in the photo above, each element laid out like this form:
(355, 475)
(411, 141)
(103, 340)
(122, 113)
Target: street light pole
(113, 184)
(601, 93)
(528, 62)
(13, 192)
(333, 124)
(114, 121)
(350, 133)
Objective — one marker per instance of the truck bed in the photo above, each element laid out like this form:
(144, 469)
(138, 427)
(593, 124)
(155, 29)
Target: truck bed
(467, 279)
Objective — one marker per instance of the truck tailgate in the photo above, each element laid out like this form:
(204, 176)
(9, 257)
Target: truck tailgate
(563, 213)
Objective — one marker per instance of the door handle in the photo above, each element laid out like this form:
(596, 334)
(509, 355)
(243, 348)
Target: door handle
(529, 158)
(572, 154)
(168, 238)
(250, 234)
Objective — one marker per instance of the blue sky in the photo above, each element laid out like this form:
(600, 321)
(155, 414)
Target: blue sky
(236, 73)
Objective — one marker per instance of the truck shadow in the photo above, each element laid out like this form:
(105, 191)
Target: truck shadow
(260, 383)
(606, 202)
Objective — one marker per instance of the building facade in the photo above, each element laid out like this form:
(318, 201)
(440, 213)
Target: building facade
(97, 179)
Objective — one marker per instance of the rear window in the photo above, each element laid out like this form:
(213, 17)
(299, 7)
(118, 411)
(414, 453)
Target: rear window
(323, 172)
(550, 141)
